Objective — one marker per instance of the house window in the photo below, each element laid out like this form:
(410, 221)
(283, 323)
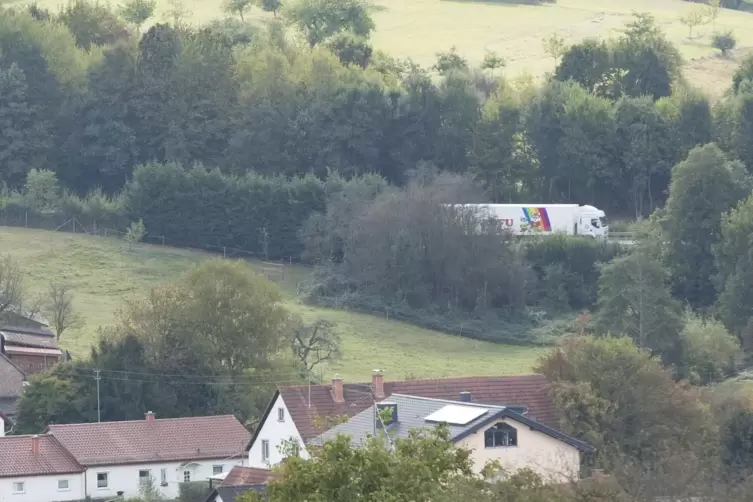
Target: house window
(264, 450)
(163, 477)
(186, 476)
(144, 476)
(217, 469)
(280, 414)
(500, 435)
(63, 485)
(101, 480)
(19, 487)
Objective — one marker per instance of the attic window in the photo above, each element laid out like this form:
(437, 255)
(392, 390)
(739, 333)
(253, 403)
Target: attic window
(501, 434)
(280, 414)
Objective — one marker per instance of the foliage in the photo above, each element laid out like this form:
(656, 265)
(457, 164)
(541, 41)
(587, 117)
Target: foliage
(554, 46)
(619, 399)
(414, 470)
(42, 191)
(450, 61)
(703, 187)
(137, 12)
(92, 23)
(350, 49)
(492, 61)
(60, 308)
(270, 5)
(320, 19)
(737, 450)
(710, 352)
(692, 19)
(238, 7)
(744, 72)
(725, 42)
(135, 233)
(217, 213)
(12, 292)
(634, 301)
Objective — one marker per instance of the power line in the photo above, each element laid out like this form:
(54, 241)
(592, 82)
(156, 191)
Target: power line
(209, 376)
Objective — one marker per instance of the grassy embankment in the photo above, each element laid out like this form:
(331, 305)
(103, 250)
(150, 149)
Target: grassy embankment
(104, 273)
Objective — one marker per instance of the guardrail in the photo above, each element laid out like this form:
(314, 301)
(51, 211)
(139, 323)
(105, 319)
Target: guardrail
(621, 236)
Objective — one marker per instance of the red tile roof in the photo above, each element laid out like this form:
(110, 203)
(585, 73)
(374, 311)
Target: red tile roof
(248, 476)
(527, 390)
(17, 459)
(173, 439)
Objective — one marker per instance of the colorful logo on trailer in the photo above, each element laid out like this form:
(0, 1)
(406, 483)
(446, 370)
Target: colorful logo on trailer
(537, 219)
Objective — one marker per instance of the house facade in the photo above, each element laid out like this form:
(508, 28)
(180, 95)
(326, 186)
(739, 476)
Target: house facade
(38, 469)
(32, 352)
(492, 433)
(305, 412)
(120, 457)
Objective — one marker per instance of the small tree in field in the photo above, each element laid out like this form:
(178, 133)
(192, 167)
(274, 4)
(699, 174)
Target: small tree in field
(237, 7)
(137, 12)
(60, 306)
(492, 61)
(725, 42)
(554, 46)
(693, 19)
(270, 5)
(135, 233)
(712, 9)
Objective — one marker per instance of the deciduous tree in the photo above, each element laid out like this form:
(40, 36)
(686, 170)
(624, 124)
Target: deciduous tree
(60, 307)
(320, 19)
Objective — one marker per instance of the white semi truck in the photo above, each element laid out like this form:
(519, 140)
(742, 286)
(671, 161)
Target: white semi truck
(537, 219)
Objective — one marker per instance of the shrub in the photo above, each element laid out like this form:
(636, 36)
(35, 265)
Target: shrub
(725, 42)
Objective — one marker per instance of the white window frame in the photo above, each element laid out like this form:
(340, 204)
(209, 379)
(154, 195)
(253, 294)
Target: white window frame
(186, 476)
(143, 480)
(218, 466)
(67, 485)
(163, 476)
(280, 414)
(264, 450)
(17, 485)
(107, 480)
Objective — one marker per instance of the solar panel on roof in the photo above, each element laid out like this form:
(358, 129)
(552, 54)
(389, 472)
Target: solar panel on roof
(456, 414)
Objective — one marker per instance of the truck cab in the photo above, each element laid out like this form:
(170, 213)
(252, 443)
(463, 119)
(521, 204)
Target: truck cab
(592, 223)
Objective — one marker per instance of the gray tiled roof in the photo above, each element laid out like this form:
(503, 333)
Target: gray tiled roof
(413, 410)
(30, 340)
(411, 414)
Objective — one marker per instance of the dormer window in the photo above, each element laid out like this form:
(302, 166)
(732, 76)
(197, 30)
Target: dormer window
(499, 435)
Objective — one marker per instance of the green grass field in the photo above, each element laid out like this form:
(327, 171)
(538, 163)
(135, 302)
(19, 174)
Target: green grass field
(420, 28)
(104, 273)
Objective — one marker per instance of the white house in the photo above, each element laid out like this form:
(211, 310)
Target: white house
(492, 433)
(119, 457)
(304, 412)
(38, 469)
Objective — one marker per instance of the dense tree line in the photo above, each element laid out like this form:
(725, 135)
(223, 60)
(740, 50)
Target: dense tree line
(91, 100)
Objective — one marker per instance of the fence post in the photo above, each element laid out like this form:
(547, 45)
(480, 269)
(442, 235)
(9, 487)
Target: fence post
(224, 252)
(26, 219)
(163, 240)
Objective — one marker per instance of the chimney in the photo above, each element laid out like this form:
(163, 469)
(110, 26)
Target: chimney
(35, 444)
(465, 397)
(377, 381)
(2, 344)
(337, 389)
(388, 418)
(149, 416)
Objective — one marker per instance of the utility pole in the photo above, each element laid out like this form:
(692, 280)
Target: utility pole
(97, 378)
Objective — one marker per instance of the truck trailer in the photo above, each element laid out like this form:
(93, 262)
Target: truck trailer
(538, 219)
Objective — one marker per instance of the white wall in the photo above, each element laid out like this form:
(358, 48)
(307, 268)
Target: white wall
(275, 432)
(552, 459)
(43, 488)
(125, 478)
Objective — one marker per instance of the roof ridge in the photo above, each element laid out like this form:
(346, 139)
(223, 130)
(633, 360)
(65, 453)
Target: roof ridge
(431, 379)
(140, 420)
(449, 401)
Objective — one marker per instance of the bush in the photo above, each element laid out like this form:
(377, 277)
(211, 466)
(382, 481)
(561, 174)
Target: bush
(725, 42)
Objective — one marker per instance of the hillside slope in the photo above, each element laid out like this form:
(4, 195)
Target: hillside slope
(103, 273)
